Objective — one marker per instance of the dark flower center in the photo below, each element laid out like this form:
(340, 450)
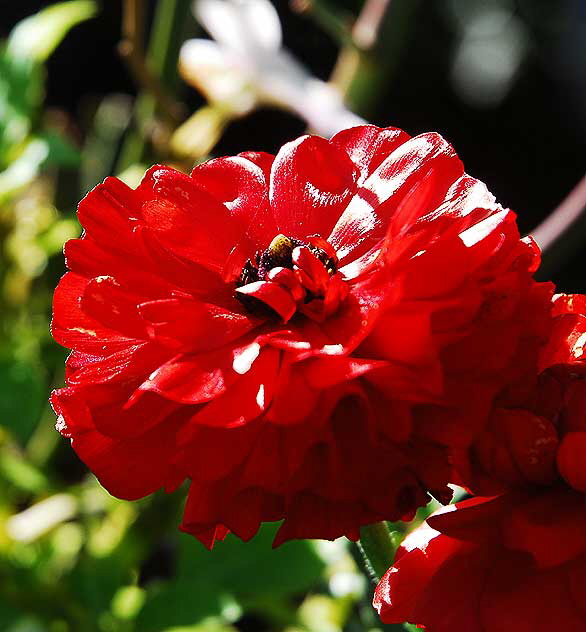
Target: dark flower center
(280, 254)
(292, 275)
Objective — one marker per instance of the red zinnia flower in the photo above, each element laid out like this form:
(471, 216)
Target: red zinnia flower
(538, 423)
(275, 329)
(516, 562)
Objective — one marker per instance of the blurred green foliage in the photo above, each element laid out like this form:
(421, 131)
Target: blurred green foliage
(72, 558)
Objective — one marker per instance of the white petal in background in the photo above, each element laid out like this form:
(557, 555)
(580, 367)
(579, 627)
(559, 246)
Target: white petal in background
(244, 26)
(246, 66)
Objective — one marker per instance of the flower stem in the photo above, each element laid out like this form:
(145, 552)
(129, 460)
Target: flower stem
(561, 218)
(377, 546)
(561, 232)
(363, 69)
(169, 24)
(132, 51)
(326, 15)
(368, 24)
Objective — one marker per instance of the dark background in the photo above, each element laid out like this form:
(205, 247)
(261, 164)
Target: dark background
(528, 145)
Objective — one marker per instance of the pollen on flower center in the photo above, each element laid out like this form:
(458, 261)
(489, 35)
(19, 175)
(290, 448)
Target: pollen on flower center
(293, 276)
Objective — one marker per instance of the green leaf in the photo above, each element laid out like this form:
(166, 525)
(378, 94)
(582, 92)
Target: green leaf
(127, 602)
(207, 625)
(24, 168)
(213, 583)
(95, 581)
(37, 36)
(254, 567)
(21, 93)
(22, 396)
(22, 474)
(27, 624)
(8, 616)
(60, 151)
(180, 603)
(59, 232)
(45, 148)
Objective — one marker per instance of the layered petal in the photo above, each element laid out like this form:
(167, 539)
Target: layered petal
(312, 182)
(485, 566)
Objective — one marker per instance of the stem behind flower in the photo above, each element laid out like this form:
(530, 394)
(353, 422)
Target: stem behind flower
(363, 69)
(561, 232)
(166, 36)
(378, 548)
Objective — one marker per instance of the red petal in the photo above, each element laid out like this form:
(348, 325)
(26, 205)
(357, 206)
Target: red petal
(128, 468)
(324, 372)
(308, 515)
(395, 185)
(199, 458)
(569, 304)
(110, 209)
(240, 186)
(193, 326)
(399, 590)
(467, 199)
(287, 279)
(201, 517)
(273, 295)
(113, 306)
(311, 183)
(551, 527)
(177, 272)
(475, 519)
(198, 378)
(245, 400)
(187, 219)
(74, 329)
(571, 458)
(313, 269)
(517, 597)
(566, 342)
(403, 335)
(367, 145)
(187, 379)
(260, 159)
(128, 363)
(356, 316)
(294, 399)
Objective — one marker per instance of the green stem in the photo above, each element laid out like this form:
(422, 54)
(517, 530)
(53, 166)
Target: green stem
(363, 70)
(326, 15)
(377, 547)
(131, 50)
(167, 35)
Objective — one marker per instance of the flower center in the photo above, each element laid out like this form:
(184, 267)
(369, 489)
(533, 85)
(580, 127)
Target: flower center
(293, 276)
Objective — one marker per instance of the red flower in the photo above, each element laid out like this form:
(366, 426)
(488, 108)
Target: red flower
(537, 428)
(514, 563)
(276, 329)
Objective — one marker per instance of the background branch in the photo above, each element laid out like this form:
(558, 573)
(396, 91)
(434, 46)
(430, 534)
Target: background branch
(561, 233)
(367, 26)
(131, 49)
(363, 69)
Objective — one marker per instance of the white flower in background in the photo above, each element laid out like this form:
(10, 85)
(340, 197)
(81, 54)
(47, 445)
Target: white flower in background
(493, 44)
(244, 66)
